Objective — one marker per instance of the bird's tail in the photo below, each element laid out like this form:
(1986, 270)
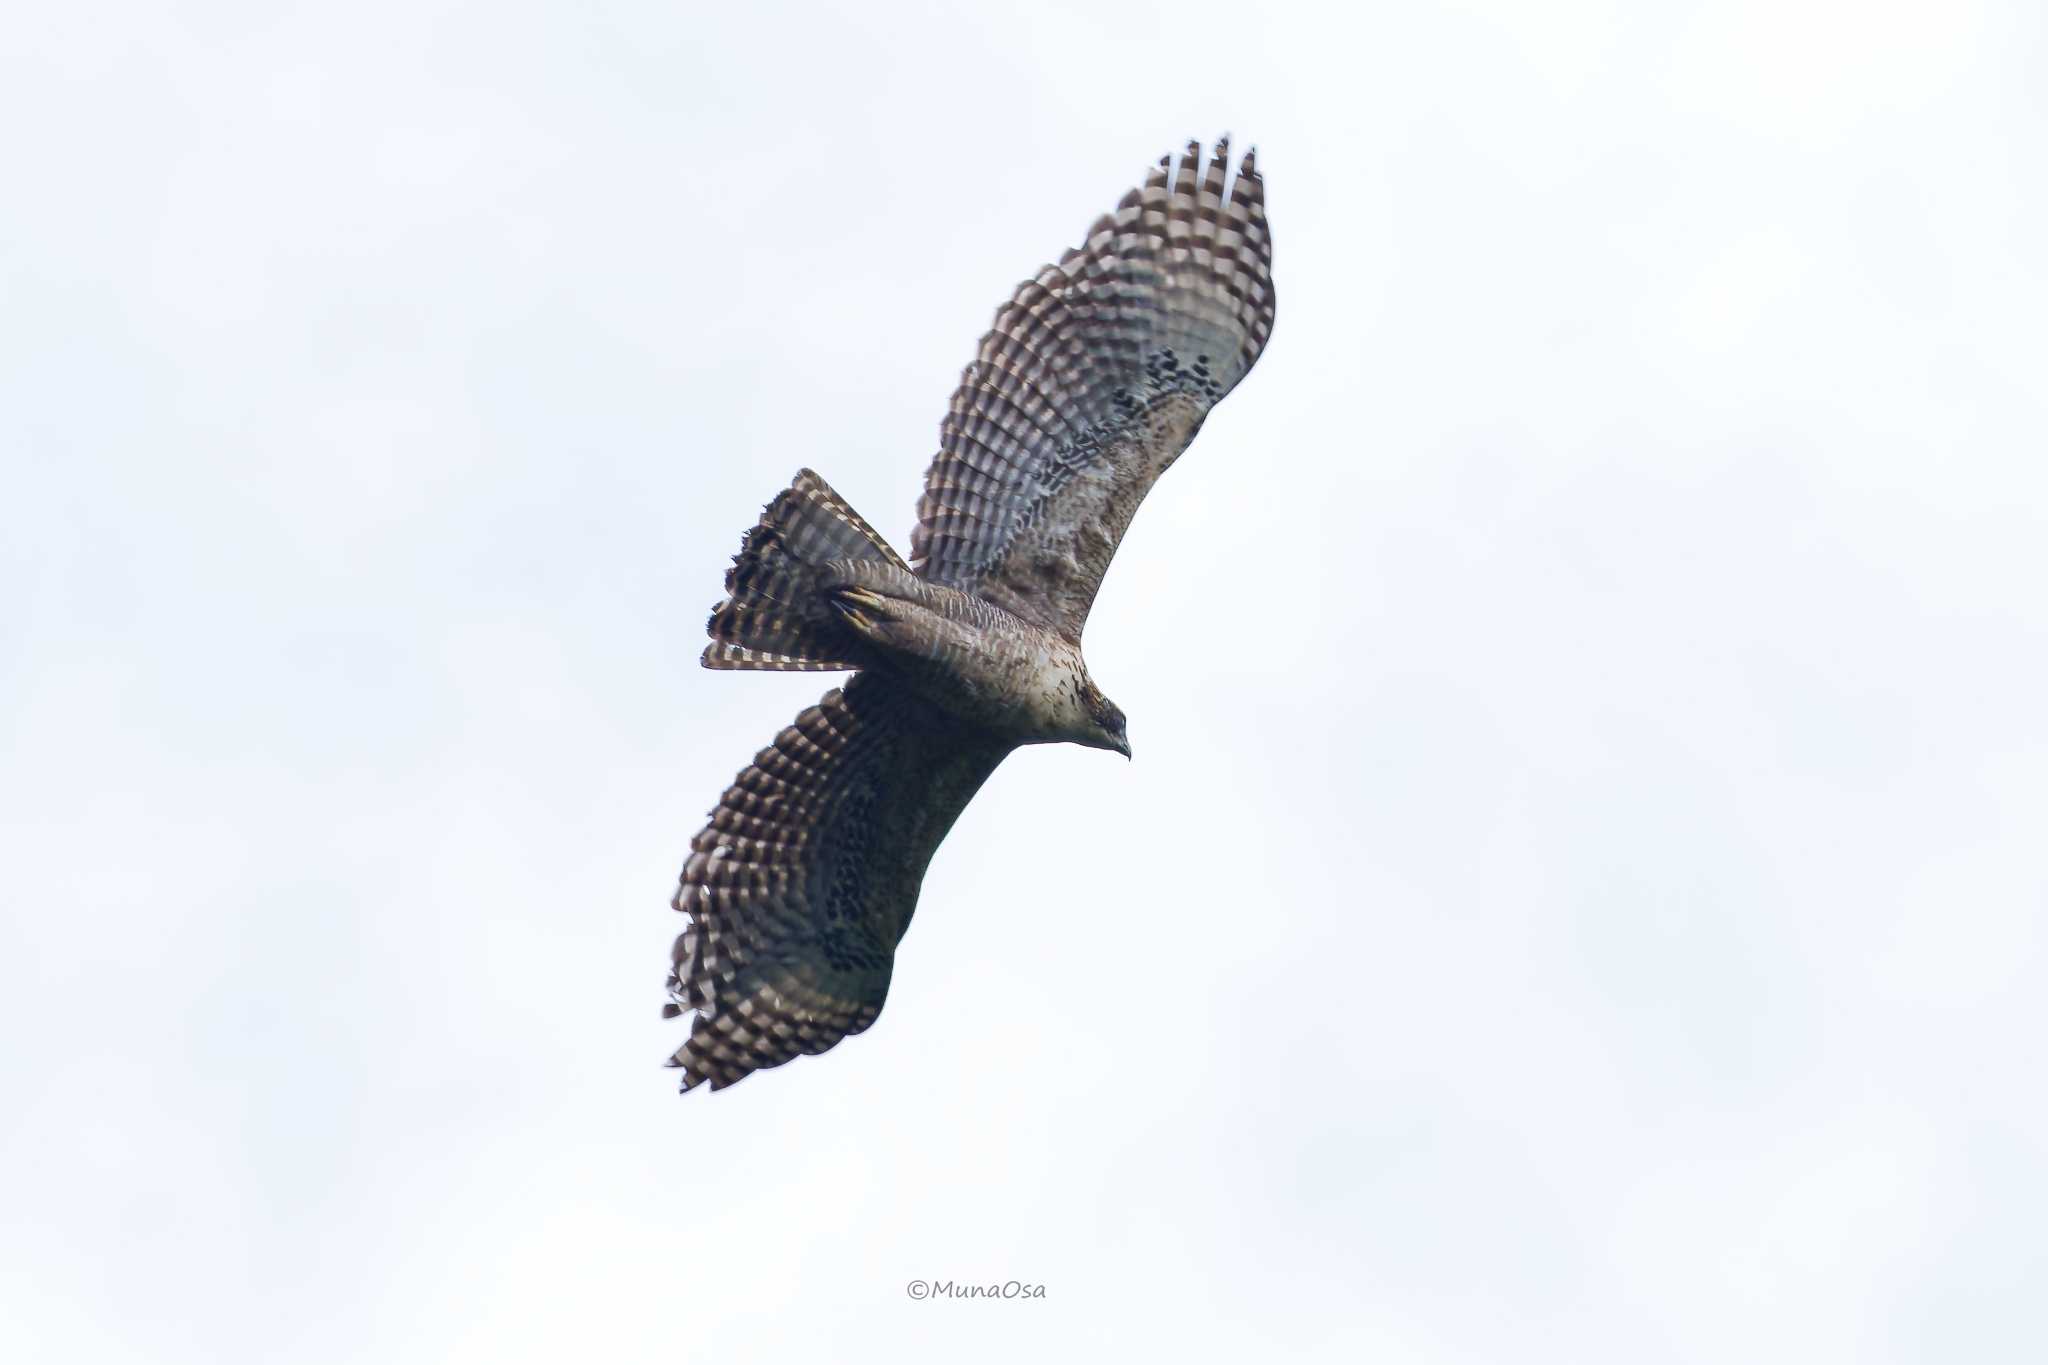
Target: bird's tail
(776, 614)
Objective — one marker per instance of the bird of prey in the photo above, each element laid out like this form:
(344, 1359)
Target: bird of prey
(1097, 374)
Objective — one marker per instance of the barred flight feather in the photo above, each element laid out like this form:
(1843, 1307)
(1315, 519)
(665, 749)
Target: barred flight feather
(800, 887)
(1097, 373)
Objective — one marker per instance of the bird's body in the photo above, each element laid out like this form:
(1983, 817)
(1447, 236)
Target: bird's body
(1097, 375)
(975, 661)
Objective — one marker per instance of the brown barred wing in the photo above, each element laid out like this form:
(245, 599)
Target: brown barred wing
(803, 883)
(1097, 374)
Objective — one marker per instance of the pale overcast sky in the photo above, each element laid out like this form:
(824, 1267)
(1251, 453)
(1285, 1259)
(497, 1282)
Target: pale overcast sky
(1579, 894)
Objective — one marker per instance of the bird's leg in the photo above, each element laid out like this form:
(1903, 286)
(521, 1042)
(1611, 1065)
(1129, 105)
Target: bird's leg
(869, 612)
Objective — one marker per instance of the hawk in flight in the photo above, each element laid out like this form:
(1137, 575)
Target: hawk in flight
(1097, 374)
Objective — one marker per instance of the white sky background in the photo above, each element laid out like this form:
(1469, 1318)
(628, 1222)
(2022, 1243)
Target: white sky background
(1579, 895)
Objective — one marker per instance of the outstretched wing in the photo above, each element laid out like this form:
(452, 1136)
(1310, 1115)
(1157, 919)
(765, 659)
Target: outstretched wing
(800, 888)
(1097, 374)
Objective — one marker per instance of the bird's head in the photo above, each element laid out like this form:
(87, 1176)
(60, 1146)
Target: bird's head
(1105, 728)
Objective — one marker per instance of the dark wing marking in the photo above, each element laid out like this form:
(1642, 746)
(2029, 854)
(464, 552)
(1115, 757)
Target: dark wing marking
(1097, 374)
(802, 884)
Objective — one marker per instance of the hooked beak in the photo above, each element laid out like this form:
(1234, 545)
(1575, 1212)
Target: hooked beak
(1123, 745)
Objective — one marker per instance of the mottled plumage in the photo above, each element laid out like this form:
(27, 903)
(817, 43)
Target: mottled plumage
(1097, 374)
